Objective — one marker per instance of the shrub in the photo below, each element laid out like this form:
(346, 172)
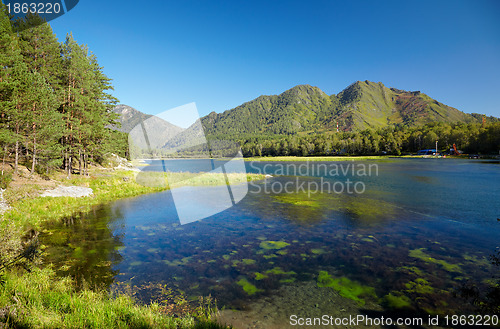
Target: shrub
(5, 180)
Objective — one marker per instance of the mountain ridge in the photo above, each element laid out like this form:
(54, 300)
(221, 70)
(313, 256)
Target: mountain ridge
(361, 105)
(305, 108)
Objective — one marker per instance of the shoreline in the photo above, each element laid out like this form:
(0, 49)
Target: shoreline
(47, 293)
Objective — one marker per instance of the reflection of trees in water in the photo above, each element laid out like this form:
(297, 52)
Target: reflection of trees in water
(85, 245)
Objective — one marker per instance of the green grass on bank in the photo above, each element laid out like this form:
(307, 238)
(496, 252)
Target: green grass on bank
(29, 212)
(40, 299)
(173, 180)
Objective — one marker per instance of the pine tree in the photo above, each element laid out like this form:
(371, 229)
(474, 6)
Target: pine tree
(8, 56)
(14, 84)
(76, 86)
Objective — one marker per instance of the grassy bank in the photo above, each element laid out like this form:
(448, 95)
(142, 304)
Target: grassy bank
(40, 299)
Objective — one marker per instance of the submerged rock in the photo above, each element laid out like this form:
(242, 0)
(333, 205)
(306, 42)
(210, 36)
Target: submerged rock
(69, 191)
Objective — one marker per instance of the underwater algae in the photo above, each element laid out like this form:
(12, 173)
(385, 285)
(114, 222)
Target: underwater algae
(268, 245)
(297, 199)
(260, 276)
(345, 287)
(279, 271)
(249, 288)
(396, 301)
(420, 254)
(419, 286)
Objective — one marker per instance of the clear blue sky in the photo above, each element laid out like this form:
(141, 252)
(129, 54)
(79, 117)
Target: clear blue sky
(163, 54)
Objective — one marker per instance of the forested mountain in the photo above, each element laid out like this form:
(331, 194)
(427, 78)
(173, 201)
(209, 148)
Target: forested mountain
(372, 119)
(305, 108)
(54, 99)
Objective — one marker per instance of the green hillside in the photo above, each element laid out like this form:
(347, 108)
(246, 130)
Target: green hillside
(305, 108)
(295, 110)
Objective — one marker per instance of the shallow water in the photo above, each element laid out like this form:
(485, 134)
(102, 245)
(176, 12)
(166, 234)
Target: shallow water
(421, 230)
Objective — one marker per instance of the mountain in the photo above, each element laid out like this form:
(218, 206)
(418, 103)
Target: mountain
(134, 122)
(373, 105)
(295, 110)
(305, 108)
(128, 117)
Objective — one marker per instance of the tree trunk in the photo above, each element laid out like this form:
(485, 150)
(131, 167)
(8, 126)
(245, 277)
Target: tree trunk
(69, 166)
(17, 158)
(66, 160)
(85, 160)
(34, 159)
(80, 162)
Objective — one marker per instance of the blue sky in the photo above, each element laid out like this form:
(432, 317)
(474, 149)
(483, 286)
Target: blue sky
(164, 54)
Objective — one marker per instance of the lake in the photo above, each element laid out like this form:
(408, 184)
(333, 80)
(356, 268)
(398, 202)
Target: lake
(411, 235)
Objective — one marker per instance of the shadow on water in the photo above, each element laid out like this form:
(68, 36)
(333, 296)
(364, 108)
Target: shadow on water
(86, 246)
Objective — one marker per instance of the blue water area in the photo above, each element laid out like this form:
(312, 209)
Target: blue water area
(419, 229)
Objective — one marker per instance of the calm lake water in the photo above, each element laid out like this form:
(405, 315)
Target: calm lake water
(421, 230)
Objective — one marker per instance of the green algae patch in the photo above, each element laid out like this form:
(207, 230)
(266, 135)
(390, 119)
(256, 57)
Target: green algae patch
(366, 209)
(282, 252)
(269, 245)
(345, 287)
(318, 251)
(483, 261)
(249, 288)
(420, 254)
(411, 270)
(395, 301)
(247, 261)
(279, 271)
(297, 199)
(270, 256)
(419, 286)
(178, 262)
(260, 276)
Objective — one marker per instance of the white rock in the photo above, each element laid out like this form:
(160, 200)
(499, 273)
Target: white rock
(3, 205)
(71, 191)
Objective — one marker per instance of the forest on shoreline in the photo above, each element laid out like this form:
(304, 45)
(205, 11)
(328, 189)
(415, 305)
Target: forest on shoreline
(469, 137)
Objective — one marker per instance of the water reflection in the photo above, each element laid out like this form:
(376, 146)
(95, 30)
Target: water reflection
(87, 246)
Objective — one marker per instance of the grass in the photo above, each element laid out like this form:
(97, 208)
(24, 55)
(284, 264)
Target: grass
(40, 299)
(178, 179)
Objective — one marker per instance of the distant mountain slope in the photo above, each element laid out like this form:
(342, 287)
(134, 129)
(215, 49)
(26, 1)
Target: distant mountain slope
(292, 111)
(372, 105)
(307, 109)
(159, 131)
(129, 117)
